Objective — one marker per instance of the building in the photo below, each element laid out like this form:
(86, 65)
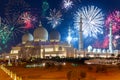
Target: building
(42, 45)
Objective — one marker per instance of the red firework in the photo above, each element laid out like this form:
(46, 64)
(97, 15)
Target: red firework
(102, 44)
(114, 17)
(27, 19)
(105, 42)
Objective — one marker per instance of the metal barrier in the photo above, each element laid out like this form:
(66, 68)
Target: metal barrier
(10, 73)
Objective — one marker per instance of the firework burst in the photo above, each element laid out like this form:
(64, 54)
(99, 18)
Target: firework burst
(93, 21)
(54, 18)
(4, 33)
(14, 27)
(67, 4)
(13, 9)
(27, 19)
(114, 17)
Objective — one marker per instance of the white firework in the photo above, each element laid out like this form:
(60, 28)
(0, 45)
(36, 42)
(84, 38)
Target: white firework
(54, 18)
(67, 4)
(92, 19)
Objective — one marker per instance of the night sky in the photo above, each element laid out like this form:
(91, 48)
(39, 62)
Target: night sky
(36, 10)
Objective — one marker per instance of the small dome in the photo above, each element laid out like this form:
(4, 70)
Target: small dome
(89, 48)
(103, 51)
(27, 37)
(40, 34)
(55, 36)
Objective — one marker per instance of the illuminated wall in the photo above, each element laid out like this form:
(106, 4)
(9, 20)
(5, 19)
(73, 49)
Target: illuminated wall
(14, 51)
(48, 49)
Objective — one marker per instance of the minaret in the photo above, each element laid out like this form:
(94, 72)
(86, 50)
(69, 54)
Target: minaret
(69, 38)
(110, 38)
(80, 34)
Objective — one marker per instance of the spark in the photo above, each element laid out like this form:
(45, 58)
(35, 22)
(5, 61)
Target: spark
(54, 18)
(67, 4)
(117, 37)
(92, 19)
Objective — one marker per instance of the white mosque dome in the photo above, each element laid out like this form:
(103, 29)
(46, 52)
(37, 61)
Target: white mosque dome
(98, 50)
(103, 51)
(40, 34)
(27, 37)
(89, 48)
(55, 36)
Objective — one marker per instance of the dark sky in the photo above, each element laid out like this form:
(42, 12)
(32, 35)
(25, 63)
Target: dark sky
(107, 7)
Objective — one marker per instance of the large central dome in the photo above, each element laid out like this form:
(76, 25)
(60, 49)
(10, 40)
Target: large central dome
(40, 34)
(27, 37)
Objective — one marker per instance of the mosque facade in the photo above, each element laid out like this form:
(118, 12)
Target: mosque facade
(39, 46)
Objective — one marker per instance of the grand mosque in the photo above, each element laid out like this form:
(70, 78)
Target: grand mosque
(40, 44)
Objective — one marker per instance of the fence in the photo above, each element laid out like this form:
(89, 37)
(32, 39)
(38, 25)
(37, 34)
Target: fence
(10, 73)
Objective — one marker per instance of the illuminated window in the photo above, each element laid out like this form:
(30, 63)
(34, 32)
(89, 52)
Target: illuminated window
(41, 50)
(48, 49)
(56, 49)
(15, 51)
